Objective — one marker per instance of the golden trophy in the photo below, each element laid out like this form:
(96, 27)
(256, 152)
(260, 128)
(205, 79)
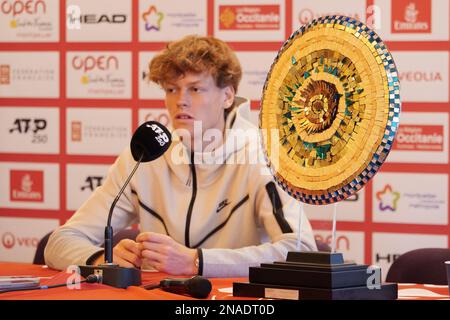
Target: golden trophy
(329, 114)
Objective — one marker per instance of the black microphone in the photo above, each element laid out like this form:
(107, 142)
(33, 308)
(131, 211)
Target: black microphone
(148, 143)
(197, 286)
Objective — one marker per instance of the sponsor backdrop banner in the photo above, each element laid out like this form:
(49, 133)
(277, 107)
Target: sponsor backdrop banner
(73, 88)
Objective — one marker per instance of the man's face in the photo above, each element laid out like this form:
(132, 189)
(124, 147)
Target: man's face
(196, 97)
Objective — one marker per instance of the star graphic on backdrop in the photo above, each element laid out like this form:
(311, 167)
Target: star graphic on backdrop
(388, 198)
(152, 19)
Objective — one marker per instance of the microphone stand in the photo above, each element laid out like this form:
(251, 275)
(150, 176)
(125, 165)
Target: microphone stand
(110, 273)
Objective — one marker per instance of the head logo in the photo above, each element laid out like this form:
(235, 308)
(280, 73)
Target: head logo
(5, 74)
(388, 198)
(389, 257)
(411, 16)
(27, 186)
(8, 240)
(152, 19)
(96, 19)
(249, 17)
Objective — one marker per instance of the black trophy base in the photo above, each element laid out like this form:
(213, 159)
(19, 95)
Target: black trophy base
(386, 291)
(113, 275)
(315, 275)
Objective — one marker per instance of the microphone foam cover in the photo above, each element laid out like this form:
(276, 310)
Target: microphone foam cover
(199, 287)
(151, 140)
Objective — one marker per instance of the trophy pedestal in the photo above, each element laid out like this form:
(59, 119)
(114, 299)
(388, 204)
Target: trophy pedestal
(311, 276)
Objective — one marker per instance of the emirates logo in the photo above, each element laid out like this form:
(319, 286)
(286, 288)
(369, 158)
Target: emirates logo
(411, 16)
(411, 13)
(27, 186)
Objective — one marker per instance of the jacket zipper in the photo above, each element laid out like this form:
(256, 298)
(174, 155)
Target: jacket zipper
(191, 204)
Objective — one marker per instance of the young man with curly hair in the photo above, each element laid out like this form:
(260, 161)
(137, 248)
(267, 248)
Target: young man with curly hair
(215, 218)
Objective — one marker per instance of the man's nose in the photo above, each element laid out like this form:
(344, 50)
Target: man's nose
(182, 99)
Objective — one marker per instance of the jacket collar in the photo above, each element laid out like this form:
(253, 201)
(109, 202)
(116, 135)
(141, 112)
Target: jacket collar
(239, 132)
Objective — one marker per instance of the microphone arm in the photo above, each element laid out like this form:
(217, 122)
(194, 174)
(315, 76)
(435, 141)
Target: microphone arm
(108, 228)
(149, 142)
(109, 273)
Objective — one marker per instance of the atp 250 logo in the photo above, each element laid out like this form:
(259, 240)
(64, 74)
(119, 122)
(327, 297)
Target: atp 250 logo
(35, 127)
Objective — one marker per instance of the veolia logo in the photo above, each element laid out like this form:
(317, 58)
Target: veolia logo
(8, 240)
(420, 76)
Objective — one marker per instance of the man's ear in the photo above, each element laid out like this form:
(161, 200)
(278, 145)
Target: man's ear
(229, 96)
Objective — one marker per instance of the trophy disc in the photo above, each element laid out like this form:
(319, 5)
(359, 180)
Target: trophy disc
(330, 110)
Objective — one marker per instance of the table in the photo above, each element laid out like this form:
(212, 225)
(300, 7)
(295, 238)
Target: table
(222, 287)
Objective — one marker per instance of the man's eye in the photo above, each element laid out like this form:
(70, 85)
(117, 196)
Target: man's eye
(196, 89)
(170, 90)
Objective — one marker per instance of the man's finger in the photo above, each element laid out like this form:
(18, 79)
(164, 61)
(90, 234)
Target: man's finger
(157, 247)
(152, 255)
(123, 263)
(153, 264)
(129, 257)
(132, 246)
(153, 237)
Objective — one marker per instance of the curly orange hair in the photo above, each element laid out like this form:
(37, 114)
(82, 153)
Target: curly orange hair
(197, 54)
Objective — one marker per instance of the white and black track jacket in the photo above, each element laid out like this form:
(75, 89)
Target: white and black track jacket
(233, 212)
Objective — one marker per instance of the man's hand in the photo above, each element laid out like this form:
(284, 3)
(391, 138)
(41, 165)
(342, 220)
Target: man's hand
(166, 255)
(127, 253)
